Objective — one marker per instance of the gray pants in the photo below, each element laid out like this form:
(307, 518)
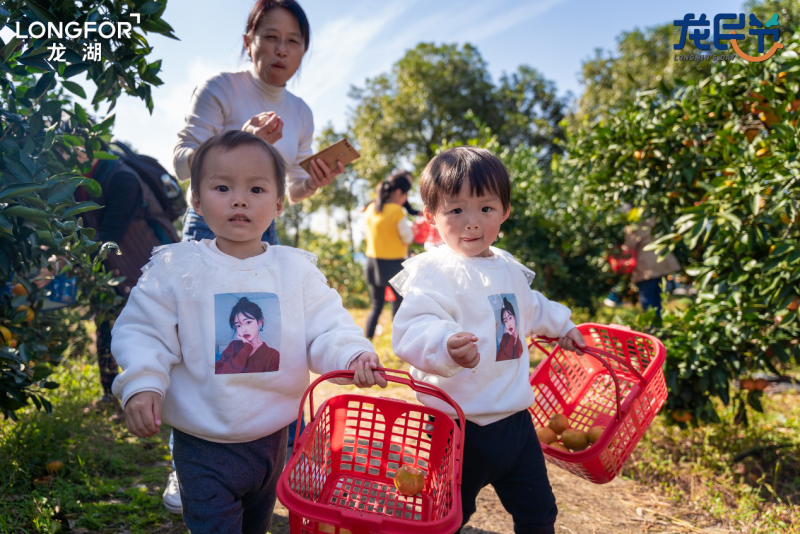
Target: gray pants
(228, 488)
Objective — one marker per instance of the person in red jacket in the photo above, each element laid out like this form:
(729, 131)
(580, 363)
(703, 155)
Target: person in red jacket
(247, 353)
(510, 345)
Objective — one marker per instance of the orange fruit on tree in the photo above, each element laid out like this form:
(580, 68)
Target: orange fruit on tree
(409, 480)
(12, 343)
(54, 467)
(793, 106)
(638, 154)
(29, 315)
(762, 152)
(6, 334)
(761, 384)
(19, 290)
(785, 219)
(728, 172)
(558, 423)
(747, 384)
(769, 118)
(794, 304)
(751, 133)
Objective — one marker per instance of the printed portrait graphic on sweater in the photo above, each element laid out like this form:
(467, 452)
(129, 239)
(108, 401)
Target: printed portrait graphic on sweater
(248, 330)
(509, 344)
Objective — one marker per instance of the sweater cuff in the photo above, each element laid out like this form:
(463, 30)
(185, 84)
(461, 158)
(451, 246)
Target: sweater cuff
(149, 382)
(445, 363)
(569, 326)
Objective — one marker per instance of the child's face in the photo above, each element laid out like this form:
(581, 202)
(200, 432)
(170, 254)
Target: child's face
(246, 327)
(238, 198)
(469, 224)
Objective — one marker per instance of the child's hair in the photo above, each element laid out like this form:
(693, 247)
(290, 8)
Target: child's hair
(399, 180)
(507, 308)
(248, 308)
(446, 173)
(228, 141)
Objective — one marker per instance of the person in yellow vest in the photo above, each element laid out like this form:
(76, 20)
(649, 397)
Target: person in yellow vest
(388, 235)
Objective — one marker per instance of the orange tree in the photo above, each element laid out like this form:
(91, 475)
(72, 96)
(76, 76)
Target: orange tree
(714, 160)
(41, 232)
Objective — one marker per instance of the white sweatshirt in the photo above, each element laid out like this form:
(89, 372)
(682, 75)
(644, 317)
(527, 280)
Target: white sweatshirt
(175, 334)
(229, 99)
(445, 293)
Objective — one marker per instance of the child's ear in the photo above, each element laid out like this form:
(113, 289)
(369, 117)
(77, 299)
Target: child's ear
(506, 213)
(280, 207)
(196, 203)
(429, 216)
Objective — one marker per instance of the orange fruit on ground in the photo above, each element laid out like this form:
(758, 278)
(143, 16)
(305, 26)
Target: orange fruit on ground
(748, 384)
(559, 447)
(54, 467)
(19, 290)
(682, 416)
(558, 423)
(409, 480)
(546, 435)
(761, 384)
(575, 440)
(29, 315)
(794, 304)
(595, 432)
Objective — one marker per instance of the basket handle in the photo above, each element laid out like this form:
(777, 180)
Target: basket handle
(416, 385)
(596, 353)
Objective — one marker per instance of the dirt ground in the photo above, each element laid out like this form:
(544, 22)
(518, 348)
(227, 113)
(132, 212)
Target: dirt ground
(619, 507)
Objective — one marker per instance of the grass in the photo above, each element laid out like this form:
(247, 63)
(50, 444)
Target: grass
(112, 481)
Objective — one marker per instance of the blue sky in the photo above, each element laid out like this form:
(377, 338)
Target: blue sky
(359, 39)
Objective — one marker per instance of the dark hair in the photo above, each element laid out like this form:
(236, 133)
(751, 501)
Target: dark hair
(248, 308)
(399, 180)
(261, 7)
(228, 141)
(446, 173)
(507, 307)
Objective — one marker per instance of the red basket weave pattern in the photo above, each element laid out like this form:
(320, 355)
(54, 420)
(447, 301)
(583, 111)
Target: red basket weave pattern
(348, 456)
(582, 389)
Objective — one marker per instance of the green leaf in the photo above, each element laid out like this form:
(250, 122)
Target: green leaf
(76, 68)
(74, 88)
(150, 8)
(10, 48)
(80, 208)
(27, 213)
(61, 191)
(99, 154)
(19, 189)
(44, 83)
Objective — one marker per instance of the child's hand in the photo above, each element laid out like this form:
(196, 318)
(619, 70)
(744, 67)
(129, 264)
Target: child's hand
(363, 366)
(572, 342)
(143, 414)
(462, 348)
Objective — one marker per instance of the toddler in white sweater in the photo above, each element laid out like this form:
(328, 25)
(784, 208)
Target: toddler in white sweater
(467, 309)
(218, 337)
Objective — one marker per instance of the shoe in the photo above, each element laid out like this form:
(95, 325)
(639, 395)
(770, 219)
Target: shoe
(610, 303)
(172, 495)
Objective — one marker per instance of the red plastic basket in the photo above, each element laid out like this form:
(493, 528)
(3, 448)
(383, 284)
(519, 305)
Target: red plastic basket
(618, 383)
(340, 478)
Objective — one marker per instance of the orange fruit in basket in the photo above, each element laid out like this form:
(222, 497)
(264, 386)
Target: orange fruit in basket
(559, 447)
(575, 440)
(409, 481)
(595, 432)
(546, 435)
(558, 423)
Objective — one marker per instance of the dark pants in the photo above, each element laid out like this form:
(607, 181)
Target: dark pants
(507, 455)
(229, 488)
(105, 360)
(377, 295)
(650, 294)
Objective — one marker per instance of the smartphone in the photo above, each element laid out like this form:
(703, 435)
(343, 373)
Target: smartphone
(341, 150)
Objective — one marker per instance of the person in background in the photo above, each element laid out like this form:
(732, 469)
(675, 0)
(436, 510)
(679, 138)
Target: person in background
(388, 236)
(649, 272)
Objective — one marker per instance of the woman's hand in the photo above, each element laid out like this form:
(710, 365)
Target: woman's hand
(321, 174)
(266, 125)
